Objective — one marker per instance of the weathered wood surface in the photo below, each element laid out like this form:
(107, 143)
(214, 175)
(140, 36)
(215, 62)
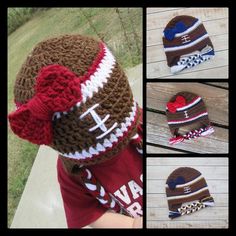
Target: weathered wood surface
(215, 21)
(218, 84)
(215, 97)
(154, 149)
(215, 171)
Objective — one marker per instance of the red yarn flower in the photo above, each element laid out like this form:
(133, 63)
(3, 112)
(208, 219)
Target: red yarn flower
(178, 103)
(57, 89)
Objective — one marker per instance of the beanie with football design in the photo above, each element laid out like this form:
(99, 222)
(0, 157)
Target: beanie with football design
(186, 43)
(187, 109)
(187, 192)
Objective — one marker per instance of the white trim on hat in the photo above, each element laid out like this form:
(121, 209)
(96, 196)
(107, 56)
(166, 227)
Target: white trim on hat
(177, 68)
(95, 81)
(188, 183)
(108, 142)
(187, 120)
(195, 101)
(192, 103)
(189, 30)
(187, 195)
(100, 123)
(175, 48)
(99, 77)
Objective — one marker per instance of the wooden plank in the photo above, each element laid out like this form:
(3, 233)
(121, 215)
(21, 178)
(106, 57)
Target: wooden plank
(160, 20)
(193, 161)
(160, 69)
(213, 213)
(221, 72)
(214, 28)
(151, 10)
(219, 84)
(154, 149)
(188, 224)
(215, 143)
(159, 200)
(215, 186)
(156, 53)
(213, 172)
(216, 99)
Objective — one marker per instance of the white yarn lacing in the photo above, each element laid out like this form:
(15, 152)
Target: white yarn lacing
(108, 142)
(99, 121)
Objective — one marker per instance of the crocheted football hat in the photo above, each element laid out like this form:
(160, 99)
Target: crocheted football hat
(187, 109)
(72, 95)
(186, 43)
(187, 192)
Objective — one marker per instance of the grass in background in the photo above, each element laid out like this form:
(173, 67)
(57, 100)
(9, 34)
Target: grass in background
(120, 28)
(18, 16)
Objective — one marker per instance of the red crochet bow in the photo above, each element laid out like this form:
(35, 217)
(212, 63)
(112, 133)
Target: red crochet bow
(57, 89)
(179, 102)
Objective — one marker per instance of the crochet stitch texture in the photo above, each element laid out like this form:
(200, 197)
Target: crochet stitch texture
(187, 192)
(186, 43)
(186, 109)
(89, 124)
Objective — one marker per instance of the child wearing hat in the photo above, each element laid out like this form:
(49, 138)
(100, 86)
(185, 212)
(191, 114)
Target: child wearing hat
(72, 95)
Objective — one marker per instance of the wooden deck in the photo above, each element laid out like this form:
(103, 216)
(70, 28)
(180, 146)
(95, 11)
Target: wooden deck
(215, 171)
(215, 96)
(215, 21)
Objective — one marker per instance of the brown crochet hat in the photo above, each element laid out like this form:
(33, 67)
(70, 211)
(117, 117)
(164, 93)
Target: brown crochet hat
(185, 109)
(186, 43)
(187, 192)
(72, 95)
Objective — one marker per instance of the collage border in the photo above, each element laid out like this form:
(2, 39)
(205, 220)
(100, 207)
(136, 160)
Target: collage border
(143, 5)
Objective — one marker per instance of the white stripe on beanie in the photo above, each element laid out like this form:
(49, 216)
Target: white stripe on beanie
(108, 142)
(99, 77)
(191, 104)
(95, 81)
(189, 30)
(176, 48)
(188, 183)
(187, 120)
(187, 195)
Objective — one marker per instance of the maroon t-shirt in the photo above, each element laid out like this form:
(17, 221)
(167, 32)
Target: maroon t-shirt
(121, 176)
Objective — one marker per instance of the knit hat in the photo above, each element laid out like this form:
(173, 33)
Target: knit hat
(186, 43)
(187, 192)
(185, 109)
(72, 95)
